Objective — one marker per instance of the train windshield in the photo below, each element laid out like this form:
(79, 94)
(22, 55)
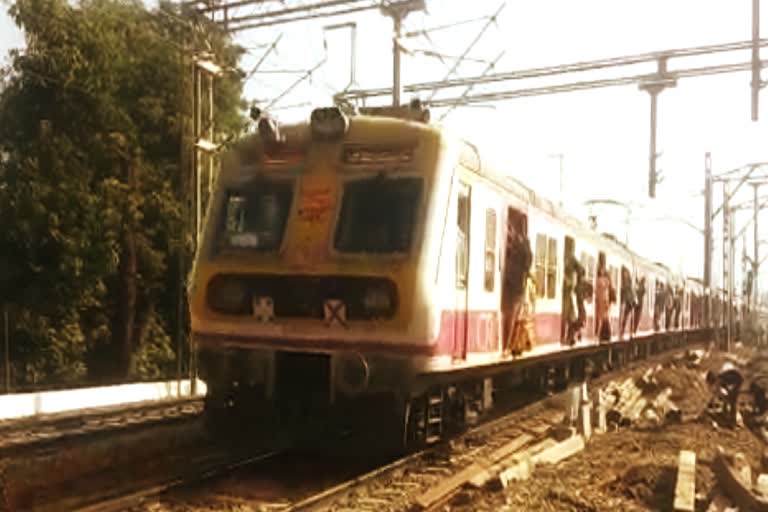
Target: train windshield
(255, 216)
(378, 215)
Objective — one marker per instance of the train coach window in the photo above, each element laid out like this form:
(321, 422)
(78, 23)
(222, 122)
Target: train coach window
(551, 268)
(378, 215)
(255, 217)
(546, 266)
(541, 265)
(490, 248)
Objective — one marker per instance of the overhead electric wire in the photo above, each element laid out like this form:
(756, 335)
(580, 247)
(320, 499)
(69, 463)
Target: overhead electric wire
(558, 69)
(588, 84)
(308, 74)
(425, 31)
(469, 47)
(469, 88)
(293, 10)
(272, 47)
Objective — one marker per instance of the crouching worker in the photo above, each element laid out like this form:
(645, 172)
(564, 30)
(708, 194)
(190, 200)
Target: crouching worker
(758, 388)
(726, 386)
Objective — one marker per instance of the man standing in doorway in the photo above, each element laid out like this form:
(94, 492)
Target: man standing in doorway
(603, 305)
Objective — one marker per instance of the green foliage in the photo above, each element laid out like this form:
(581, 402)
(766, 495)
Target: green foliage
(92, 118)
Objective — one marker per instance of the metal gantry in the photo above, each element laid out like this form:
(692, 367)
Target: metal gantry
(747, 174)
(204, 73)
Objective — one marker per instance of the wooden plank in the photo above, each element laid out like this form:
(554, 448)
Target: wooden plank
(685, 488)
(451, 484)
(480, 479)
(560, 451)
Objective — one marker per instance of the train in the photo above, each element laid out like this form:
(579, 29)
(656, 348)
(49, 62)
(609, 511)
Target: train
(359, 270)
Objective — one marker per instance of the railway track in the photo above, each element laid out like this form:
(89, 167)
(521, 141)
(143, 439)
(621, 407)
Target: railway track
(325, 484)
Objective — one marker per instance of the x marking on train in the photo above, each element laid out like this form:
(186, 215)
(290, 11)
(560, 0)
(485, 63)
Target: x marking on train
(335, 312)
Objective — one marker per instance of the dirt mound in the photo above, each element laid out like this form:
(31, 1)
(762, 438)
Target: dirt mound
(650, 484)
(689, 390)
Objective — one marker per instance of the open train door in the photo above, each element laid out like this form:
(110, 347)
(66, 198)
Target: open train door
(461, 320)
(513, 272)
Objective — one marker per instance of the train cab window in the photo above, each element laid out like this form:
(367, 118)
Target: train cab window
(490, 248)
(255, 217)
(378, 215)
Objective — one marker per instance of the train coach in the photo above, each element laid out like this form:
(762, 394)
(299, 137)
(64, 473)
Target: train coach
(363, 269)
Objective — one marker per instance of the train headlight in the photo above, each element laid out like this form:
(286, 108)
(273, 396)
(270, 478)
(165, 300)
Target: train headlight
(352, 373)
(378, 300)
(228, 295)
(328, 124)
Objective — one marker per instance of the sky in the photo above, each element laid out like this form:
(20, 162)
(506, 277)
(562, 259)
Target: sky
(602, 134)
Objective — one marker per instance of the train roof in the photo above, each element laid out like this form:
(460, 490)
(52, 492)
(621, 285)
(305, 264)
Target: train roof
(412, 120)
(472, 159)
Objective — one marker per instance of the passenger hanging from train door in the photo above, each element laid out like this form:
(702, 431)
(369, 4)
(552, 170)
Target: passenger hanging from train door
(517, 265)
(569, 320)
(627, 300)
(584, 292)
(639, 304)
(658, 307)
(524, 333)
(669, 302)
(678, 306)
(602, 301)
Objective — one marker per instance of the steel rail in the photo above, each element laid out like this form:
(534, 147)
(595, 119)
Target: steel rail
(323, 500)
(133, 498)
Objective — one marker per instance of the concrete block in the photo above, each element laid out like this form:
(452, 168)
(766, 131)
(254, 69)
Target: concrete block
(743, 469)
(522, 470)
(602, 425)
(761, 486)
(586, 421)
(685, 488)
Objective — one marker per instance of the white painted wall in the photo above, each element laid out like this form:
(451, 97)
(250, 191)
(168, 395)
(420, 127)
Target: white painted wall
(22, 405)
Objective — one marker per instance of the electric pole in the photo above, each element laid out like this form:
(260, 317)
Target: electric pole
(707, 230)
(757, 83)
(654, 85)
(727, 263)
(398, 12)
(756, 254)
(204, 71)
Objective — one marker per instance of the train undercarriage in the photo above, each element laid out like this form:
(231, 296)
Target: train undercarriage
(278, 397)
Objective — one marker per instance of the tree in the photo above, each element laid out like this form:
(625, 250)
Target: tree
(92, 119)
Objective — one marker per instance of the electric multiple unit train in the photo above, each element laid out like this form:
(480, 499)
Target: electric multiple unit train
(354, 267)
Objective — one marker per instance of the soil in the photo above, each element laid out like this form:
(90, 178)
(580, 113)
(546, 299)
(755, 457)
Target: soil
(634, 469)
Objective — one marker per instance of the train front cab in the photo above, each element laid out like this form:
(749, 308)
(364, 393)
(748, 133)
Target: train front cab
(327, 313)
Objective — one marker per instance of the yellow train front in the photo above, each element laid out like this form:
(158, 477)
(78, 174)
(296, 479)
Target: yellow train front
(305, 295)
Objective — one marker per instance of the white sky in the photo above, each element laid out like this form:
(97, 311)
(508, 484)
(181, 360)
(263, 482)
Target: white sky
(603, 134)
